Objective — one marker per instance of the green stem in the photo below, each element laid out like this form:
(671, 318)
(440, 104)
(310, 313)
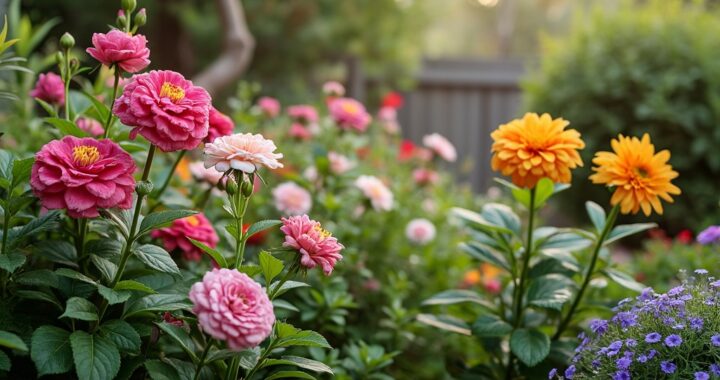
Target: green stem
(67, 79)
(241, 204)
(109, 120)
(609, 223)
(233, 370)
(169, 177)
(261, 361)
(290, 272)
(526, 261)
(82, 231)
(201, 364)
(6, 227)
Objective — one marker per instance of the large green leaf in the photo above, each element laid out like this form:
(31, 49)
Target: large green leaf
(12, 261)
(157, 303)
(619, 232)
(157, 258)
(502, 216)
(113, 296)
(21, 171)
(40, 277)
(95, 357)
(445, 322)
(12, 341)
(565, 240)
(530, 346)
(312, 365)
(550, 291)
(485, 254)
(489, 325)
(125, 338)
(544, 189)
(134, 285)
(181, 337)
(454, 296)
(159, 370)
(18, 235)
(596, 214)
(624, 279)
(75, 275)
(107, 268)
(65, 127)
(213, 253)
(305, 338)
(261, 226)
(161, 218)
(271, 266)
(80, 308)
(478, 222)
(50, 350)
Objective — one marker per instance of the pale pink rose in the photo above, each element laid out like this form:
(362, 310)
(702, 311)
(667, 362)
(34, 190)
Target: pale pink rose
(291, 199)
(242, 151)
(90, 126)
(230, 306)
(83, 175)
(49, 88)
(349, 114)
(201, 173)
(388, 119)
(379, 195)
(315, 245)
(269, 106)
(166, 109)
(425, 176)
(303, 114)
(429, 206)
(440, 146)
(311, 174)
(420, 231)
(196, 227)
(219, 125)
(339, 164)
(298, 131)
(333, 88)
(116, 47)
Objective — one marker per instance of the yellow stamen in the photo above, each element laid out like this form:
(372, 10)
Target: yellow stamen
(323, 232)
(350, 108)
(172, 92)
(85, 155)
(193, 220)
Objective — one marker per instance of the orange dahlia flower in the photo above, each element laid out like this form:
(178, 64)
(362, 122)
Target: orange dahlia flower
(536, 147)
(640, 176)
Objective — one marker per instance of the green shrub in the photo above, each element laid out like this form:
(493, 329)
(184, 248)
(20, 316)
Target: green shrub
(650, 68)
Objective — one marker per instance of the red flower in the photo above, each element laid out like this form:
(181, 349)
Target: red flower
(407, 150)
(685, 237)
(393, 100)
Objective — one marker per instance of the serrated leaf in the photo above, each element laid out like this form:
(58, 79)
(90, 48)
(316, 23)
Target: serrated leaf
(485, 254)
(305, 338)
(181, 337)
(261, 226)
(107, 268)
(250, 269)
(12, 341)
(157, 258)
(619, 232)
(454, 296)
(159, 370)
(50, 350)
(80, 308)
(157, 303)
(624, 279)
(213, 253)
(530, 346)
(490, 326)
(285, 330)
(125, 338)
(596, 214)
(75, 275)
(550, 291)
(445, 322)
(21, 171)
(290, 375)
(40, 277)
(12, 261)
(271, 266)
(161, 218)
(95, 357)
(134, 285)
(113, 296)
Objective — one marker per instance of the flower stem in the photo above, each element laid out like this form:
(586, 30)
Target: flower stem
(260, 362)
(67, 77)
(290, 272)
(201, 364)
(526, 261)
(82, 224)
(169, 177)
(240, 207)
(609, 223)
(109, 120)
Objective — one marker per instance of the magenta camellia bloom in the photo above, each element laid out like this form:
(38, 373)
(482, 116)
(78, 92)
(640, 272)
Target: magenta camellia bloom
(219, 125)
(116, 47)
(269, 106)
(349, 114)
(83, 175)
(315, 244)
(196, 227)
(49, 88)
(90, 126)
(230, 306)
(166, 109)
(304, 114)
(242, 151)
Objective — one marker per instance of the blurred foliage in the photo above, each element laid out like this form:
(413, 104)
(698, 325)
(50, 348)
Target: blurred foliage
(649, 68)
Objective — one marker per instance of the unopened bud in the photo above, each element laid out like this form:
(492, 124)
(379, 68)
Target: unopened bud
(74, 64)
(67, 41)
(140, 17)
(144, 187)
(129, 5)
(247, 188)
(60, 58)
(121, 19)
(231, 186)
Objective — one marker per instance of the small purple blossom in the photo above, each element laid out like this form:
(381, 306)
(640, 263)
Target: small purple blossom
(668, 367)
(702, 375)
(623, 363)
(642, 358)
(715, 340)
(626, 319)
(570, 372)
(653, 337)
(675, 291)
(710, 235)
(599, 326)
(696, 323)
(715, 369)
(630, 343)
(621, 375)
(701, 271)
(553, 373)
(673, 340)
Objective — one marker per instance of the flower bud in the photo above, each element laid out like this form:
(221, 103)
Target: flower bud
(121, 19)
(247, 188)
(129, 5)
(140, 17)
(231, 186)
(67, 41)
(60, 58)
(144, 187)
(74, 64)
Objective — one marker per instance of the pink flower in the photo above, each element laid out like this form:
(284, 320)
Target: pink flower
(425, 176)
(230, 306)
(316, 245)
(83, 175)
(379, 195)
(349, 114)
(211, 176)
(166, 109)
(129, 52)
(339, 164)
(195, 227)
(90, 126)
(269, 106)
(388, 119)
(291, 199)
(304, 114)
(440, 146)
(49, 88)
(333, 88)
(298, 131)
(242, 151)
(420, 231)
(219, 125)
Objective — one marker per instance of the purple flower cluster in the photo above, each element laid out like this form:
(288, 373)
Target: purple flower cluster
(710, 235)
(654, 335)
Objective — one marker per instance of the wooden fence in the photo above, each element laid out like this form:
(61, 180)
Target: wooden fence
(464, 100)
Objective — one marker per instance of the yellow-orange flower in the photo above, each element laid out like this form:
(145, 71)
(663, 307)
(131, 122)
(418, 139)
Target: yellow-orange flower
(640, 176)
(536, 147)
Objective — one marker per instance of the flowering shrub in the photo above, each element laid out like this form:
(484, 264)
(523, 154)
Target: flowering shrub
(654, 336)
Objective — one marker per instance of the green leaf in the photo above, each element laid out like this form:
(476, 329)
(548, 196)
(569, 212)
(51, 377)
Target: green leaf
(181, 337)
(285, 330)
(565, 241)
(305, 338)
(102, 110)
(57, 251)
(312, 365)
(40, 224)
(75, 275)
(80, 308)
(159, 370)
(125, 338)
(5, 364)
(544, 189)
(96, 357)
(105, 248)
(290, 375)
(261, 226)
(530, 346)
(478, 222)
(454, 296)
(271, 266)
(550, 266)
(550, 291)
(213, 253)
(445, 322)
(157, 303)
(250, 269)
(21, 171)
(39, 296)
(40, 277)
(134, 285)
(12, 261)
(12, 341)
(161, 218)
(623, 279)
(107, 268)
(282, 304)
(485, 254)
(624, 230)
(112, 296)
(50, 350)
(502, 216)
(288, 285)
(6, 164)
(252, 355)
(157, 258)
(65, 127)
(596, 214)
(490, 326)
